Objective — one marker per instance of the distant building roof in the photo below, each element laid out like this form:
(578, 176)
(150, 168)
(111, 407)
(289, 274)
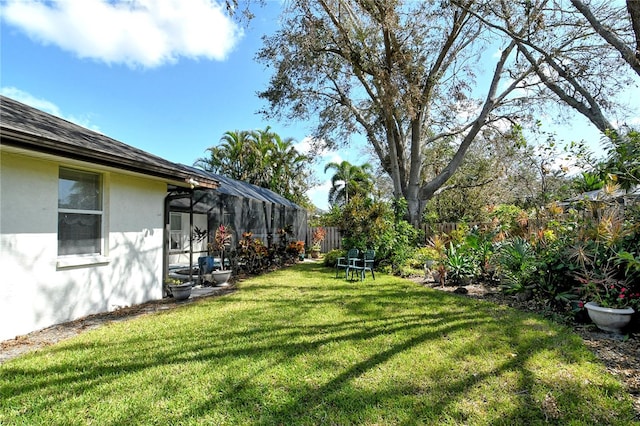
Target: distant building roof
(28, 128)
(602, 195)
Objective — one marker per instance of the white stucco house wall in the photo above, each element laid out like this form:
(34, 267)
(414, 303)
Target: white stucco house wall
(83, 221)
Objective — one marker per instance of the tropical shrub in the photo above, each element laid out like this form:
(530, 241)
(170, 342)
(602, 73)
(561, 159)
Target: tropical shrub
(421, 256)
(460, 266)
(516, 263)
(364, 222)
(331, 258)
(397, 245)
(509, 220)
(481, 247)
(380, 226)
(251, 255)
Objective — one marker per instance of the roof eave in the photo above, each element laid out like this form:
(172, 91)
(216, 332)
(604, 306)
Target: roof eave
(37, 143)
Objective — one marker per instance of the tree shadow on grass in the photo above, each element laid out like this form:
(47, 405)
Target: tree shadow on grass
(332, 337)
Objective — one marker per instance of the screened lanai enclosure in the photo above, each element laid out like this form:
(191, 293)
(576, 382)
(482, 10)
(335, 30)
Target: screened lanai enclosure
(243, 207)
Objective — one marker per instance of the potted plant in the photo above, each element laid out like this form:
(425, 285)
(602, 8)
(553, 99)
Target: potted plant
(611, 300)
(221, 240)
(178, 289)
(316, 240)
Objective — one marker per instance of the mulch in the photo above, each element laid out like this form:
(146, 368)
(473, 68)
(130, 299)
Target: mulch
(620, 355)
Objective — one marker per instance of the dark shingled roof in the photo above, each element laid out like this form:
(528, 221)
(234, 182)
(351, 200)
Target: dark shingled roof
(247, 190)
(29, 128)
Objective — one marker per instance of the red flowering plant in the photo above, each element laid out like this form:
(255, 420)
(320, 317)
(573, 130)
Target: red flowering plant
(317, 238)
(220, 243)
(606, 290)
(295, 247)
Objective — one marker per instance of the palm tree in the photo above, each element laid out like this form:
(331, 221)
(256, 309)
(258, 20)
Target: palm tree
(262, 158)
(348, 181)
(234, 157)
(288, 166)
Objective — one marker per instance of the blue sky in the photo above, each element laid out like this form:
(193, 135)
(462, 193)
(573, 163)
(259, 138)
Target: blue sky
(169, 77)
(172, 99)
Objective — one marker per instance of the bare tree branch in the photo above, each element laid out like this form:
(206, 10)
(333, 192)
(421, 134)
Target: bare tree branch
(631, 57)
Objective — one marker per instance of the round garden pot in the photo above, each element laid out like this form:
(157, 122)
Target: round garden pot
(181, 291)
(609, 319)
(221, 278)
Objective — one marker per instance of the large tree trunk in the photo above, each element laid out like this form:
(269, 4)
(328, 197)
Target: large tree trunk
(633, 7)
(411, 193)
(427, 190)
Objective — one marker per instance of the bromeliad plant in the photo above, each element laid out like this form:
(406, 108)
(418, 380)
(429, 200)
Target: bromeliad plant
(517, 265)
(461, 267)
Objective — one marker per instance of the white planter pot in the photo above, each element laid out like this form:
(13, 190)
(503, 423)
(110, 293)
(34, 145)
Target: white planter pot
(609, 319)
(221, 278)
(181, 291)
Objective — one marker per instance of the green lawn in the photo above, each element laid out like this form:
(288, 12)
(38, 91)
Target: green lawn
(301, 347)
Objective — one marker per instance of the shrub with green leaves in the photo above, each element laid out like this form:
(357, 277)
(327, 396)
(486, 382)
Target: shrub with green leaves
(516, 262)
(460, 266)
(331, 258)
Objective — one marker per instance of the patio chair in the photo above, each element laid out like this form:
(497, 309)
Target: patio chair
(365, 264)
(348, 262)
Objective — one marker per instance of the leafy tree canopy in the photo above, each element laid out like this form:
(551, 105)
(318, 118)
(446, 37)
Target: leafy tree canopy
(406, 74)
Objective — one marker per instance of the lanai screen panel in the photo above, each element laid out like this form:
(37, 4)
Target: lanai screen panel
(246, 208)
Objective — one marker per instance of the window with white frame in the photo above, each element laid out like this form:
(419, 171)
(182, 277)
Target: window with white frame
(80, 212)
(175, 225)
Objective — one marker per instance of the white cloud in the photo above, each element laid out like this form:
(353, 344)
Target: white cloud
(138, 33)
(29, 99)
(45, 105)
(334, 157)
(304, 146)
(319, 195)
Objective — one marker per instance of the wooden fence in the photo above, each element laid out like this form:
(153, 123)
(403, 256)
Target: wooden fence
(333, 239)
(447, 227)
